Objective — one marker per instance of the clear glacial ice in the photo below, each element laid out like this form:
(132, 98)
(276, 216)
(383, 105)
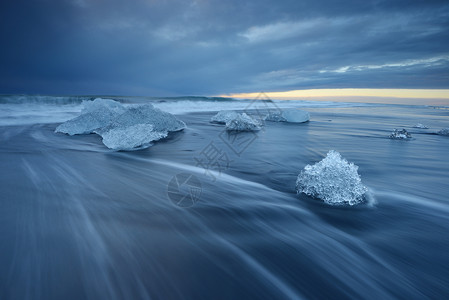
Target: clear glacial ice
(122, 128)
(295, 115)
(288, 115)
(275, 117)
(224, 116)
(333, 180)
(145, 114)
(131, 137)
(96, 114)
(400, 135)
(236, 121)
(242, 122)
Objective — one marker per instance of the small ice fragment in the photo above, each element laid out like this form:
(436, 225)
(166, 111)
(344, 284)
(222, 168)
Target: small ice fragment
(420, 126)
(333, 180)
(131, 137)
(400, 135)
(444, 131)
(224, 116)
(289, 115)
(275, 117)
(96, 114)
(242, 122)
(295, 116)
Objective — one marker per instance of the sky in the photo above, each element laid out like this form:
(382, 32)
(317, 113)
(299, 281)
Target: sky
(217, 47)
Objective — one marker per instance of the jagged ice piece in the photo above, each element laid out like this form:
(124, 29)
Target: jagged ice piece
(333, 180)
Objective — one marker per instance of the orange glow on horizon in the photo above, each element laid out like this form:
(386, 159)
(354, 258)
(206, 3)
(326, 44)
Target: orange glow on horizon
(311, 93)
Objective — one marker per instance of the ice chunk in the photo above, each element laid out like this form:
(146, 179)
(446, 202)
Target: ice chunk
(224, 116)
(289, 115)
(333, 180)
(96, 114)
(101, 103)
(420, 126)
(295, 116)
(275, 117)
(400, 135)
(131, 137)
(146, 114)
(122, 128)
(139, 126)
(242, 122)
(444, 131)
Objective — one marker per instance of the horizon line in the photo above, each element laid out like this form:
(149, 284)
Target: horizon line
(348, 92)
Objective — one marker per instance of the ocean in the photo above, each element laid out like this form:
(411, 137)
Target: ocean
(209, 214)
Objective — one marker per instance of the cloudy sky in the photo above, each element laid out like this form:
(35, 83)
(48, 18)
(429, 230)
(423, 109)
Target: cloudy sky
(211, 47)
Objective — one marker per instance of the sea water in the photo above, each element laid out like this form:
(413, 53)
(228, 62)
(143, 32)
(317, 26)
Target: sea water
(211, 214)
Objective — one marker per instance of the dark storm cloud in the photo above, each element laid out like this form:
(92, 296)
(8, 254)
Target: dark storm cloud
(210, 47)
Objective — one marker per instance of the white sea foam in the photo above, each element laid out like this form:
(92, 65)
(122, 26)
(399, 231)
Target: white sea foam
(333, 180)
(28, 109)
(189, 106)
(420, 126)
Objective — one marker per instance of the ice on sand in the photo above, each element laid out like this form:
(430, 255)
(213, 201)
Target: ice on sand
(146, 114)
(296, 115)
(122, 128)
(96, 114)
(242, 122)
(400, 135)
(131, 137)
(333, 180)
(139, 126)
(224, 116)
(289, 115)
(275, 117)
